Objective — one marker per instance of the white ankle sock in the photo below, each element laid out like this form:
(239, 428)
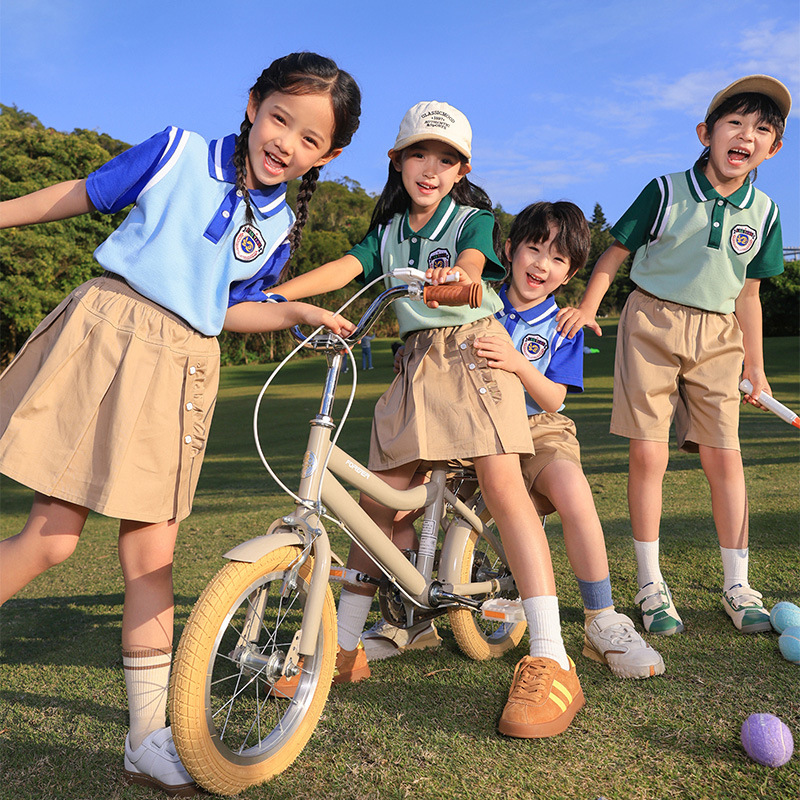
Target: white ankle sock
(544, 629)
(649, 570)
(734, 567)
(147, 682)
(351, 618)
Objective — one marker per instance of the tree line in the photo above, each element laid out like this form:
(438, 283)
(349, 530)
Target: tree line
(41, 264)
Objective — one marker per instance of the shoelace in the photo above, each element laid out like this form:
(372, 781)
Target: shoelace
(619, 633)
(533, 680)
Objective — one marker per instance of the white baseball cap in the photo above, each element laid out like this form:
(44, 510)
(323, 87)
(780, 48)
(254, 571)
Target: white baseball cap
(758, 84)
(435, 120)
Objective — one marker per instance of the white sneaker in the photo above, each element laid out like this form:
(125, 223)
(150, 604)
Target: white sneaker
(658, 610)
(155, 763)
(744, 607)
(611, 639)
(384, 640)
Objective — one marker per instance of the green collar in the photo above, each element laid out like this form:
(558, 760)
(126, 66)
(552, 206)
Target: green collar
(434, 228)
(702, 190)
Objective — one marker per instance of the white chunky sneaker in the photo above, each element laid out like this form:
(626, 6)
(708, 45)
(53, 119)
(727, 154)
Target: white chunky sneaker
(658, 611)
(611, 639)
(744, 607)
(155, 763)
(384, 640)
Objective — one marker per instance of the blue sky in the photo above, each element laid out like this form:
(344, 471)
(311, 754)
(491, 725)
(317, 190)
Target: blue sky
(576, 100)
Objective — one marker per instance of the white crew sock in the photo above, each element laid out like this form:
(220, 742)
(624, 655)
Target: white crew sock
(544, 629)
(734, 567)
(649, 570)
(147, 682)
(351, 618)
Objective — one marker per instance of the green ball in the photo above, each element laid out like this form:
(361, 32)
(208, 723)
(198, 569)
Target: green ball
(789, 644)
(784, 615)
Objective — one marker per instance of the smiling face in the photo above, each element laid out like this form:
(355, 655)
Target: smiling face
(291, 133)
(429, 171)
(537, 270)
(737, 143)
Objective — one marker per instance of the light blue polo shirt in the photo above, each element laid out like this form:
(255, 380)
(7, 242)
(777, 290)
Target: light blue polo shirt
(185, 243)
(534, 334)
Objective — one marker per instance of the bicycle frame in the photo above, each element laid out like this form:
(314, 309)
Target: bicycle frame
(304, 528)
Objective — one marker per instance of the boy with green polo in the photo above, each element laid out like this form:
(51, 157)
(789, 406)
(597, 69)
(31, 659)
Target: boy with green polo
(702, 241)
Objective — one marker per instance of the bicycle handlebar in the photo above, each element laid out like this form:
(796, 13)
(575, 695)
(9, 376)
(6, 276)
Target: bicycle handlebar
(445, 295)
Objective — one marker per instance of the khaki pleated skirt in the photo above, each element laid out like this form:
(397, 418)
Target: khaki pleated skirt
(447, 403)
(108, 405)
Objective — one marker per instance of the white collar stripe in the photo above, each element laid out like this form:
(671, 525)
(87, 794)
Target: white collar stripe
(170, 162)
(444, 221)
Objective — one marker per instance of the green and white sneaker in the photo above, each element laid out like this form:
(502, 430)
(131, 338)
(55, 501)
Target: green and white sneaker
(658, 610)
(611, 639)
(384, 640)
(743, 605)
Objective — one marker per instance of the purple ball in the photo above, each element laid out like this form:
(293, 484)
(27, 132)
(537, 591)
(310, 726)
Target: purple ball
(767, 740)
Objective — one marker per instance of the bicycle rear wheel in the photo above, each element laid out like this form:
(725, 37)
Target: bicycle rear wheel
(480, 638)
(231, 729)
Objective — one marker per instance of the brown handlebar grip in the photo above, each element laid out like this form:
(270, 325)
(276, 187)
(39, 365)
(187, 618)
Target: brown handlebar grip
(470, 294)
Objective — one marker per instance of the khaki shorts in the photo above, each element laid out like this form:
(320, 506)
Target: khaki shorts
(554, 439)
(447, 403)
(681, 363)
(108, 405)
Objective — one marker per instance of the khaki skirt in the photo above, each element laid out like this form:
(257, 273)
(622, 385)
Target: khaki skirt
(108, 405)
(447, 403)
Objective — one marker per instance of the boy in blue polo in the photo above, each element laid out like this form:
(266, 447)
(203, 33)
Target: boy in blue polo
(702, 241)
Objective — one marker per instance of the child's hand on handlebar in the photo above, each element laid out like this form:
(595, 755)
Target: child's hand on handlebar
(438, 275)
(316, 316)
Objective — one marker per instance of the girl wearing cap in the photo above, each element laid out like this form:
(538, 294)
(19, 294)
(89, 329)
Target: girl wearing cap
(446, 402)
(703, 240)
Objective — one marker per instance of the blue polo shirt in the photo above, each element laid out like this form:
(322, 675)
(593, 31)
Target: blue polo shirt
(185, 243)
(534, 334)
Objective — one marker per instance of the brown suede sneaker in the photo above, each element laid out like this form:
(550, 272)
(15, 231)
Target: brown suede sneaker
(543, 699)
(351, 666)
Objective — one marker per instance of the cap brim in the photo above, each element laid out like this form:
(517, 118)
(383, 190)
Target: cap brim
(407, 141)
(757, 84)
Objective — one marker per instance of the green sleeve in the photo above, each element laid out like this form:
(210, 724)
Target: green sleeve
(633, 228)
(477, 235)
(368, 252)
(768, 260)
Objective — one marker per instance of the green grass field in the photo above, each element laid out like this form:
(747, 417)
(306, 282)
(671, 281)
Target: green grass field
(425, 725)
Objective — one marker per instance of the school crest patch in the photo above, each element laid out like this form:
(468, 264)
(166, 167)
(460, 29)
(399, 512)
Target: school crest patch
(743, 237)
(533, 346)
(248, 243)
(439, 258)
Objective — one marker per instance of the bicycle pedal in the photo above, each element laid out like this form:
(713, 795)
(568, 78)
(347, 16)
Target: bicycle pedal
(498, 609)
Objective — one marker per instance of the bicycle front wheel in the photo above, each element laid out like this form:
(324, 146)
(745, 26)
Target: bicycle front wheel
(479, 638)
(232, 726)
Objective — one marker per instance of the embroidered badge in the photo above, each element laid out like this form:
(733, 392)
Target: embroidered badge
(248, 243)
(533, 346)
(743, 237)
(439, 258)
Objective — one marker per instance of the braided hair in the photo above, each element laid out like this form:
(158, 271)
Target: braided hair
(301, 73)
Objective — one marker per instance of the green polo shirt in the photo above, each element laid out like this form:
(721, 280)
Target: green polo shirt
(451, 230)
(693, 246)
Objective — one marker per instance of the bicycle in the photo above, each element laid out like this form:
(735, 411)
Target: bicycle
(270, 613)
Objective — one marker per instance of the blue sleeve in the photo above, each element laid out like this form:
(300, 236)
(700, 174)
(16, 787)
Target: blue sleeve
(566, 363)
(253, 289)
(119, 182)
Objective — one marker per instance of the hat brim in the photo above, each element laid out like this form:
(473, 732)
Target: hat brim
(757, 84)
(407, 141)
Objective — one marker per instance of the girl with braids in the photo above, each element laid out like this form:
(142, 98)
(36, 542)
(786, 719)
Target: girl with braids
(448, 402)
(108, 404)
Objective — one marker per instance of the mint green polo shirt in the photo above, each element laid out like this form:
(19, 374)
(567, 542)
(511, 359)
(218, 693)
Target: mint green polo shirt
(452, 229)
(693, 246)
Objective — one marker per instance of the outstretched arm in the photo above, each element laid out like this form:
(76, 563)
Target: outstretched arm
(261, 317)
(571, 320)
(327, 278)
(749, 315)
(59, 201)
